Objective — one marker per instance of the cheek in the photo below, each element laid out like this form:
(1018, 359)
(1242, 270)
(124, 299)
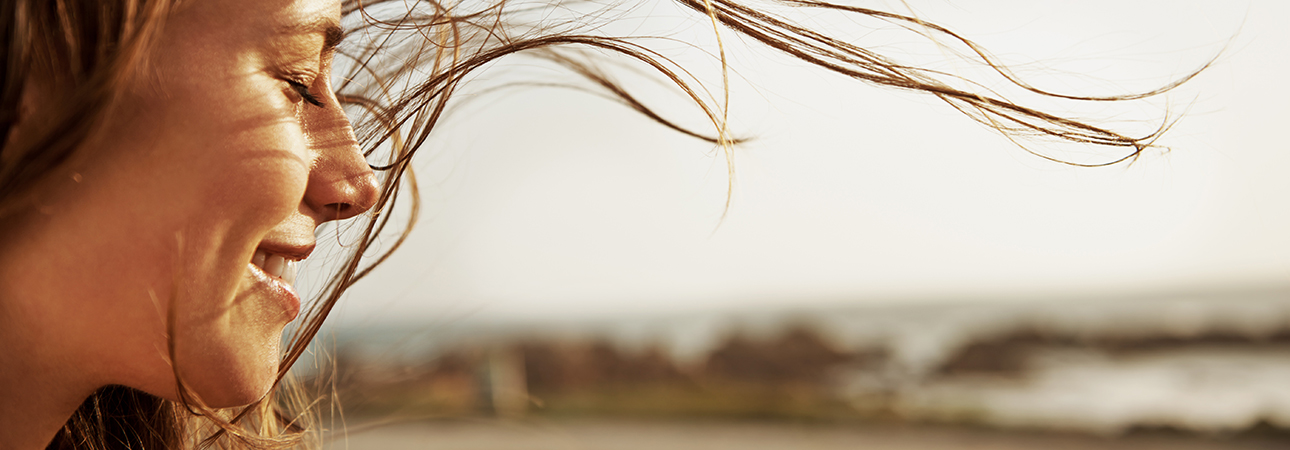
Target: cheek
(226, 147)
(247, 152)
(246, 186)
(258, 187)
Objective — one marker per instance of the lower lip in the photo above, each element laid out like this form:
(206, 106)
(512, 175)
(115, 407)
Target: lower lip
(278, 289)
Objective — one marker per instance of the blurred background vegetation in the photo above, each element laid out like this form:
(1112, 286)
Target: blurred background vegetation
(1207, 368)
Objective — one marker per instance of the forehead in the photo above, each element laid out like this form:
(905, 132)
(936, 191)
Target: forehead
(259, 16)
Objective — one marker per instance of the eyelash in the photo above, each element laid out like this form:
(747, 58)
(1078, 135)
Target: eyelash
(303, 91)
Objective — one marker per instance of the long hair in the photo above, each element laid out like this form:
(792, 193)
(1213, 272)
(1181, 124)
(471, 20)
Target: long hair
(400, 69)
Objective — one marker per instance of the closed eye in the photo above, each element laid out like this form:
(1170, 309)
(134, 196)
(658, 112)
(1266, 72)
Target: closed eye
(303, 91)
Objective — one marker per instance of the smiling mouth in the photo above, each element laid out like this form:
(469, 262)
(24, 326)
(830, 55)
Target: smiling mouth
(276, 265)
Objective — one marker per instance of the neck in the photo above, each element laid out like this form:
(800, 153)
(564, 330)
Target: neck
(41, 384)
(36, 400)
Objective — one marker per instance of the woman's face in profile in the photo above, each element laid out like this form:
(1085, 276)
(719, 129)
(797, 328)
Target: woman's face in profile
(206, 185)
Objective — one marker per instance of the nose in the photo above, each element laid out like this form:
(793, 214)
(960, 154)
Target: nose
(341, 184)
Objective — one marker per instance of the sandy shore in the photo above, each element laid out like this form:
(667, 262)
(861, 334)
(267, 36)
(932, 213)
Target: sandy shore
(680, 435)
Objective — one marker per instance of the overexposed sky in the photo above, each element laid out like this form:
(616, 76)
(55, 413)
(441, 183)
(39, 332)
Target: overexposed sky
(548, 203)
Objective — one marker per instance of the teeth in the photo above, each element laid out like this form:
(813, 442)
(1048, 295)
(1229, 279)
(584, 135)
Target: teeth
(289, 272)
(258, 259)
(276, 265)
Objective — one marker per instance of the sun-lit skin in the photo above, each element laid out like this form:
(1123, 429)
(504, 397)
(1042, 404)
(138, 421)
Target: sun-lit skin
(212, 155)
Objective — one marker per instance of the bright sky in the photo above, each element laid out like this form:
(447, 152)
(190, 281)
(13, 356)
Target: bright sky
(552, 203)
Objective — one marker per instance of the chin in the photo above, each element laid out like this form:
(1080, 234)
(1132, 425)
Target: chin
(228, 351)
(236, 381)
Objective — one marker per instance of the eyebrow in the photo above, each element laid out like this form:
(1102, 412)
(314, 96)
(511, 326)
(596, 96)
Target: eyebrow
(328, 27)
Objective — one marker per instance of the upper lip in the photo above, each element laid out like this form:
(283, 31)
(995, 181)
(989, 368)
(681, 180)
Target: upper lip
(294, 252)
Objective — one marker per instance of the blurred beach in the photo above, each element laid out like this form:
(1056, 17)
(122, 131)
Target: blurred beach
(636, 435)
(1198, 370)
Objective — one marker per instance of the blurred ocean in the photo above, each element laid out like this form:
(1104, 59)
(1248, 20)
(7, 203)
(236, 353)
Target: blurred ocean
(622, 435)
(1205, 364)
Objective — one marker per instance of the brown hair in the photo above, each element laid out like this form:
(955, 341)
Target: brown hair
(89, 50)
(402, 76)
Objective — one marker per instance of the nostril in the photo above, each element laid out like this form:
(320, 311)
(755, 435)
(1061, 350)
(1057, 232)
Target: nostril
(341, 186)
(340, 211)
(340, 198)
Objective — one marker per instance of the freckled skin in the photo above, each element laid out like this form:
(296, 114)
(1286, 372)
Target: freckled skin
(211, 155)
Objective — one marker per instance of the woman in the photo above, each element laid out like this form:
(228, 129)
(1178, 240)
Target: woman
(184, 214)
(165, 165)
